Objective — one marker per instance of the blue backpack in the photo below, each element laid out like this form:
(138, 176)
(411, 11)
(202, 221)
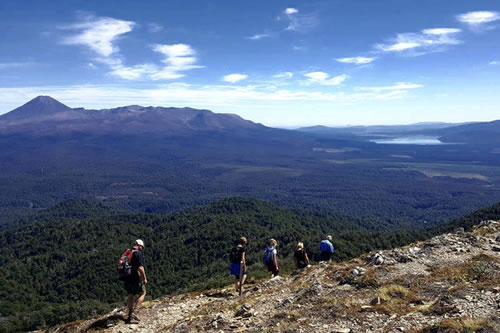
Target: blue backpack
(268, 256)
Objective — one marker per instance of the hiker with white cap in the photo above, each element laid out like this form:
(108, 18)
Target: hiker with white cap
(135, 283)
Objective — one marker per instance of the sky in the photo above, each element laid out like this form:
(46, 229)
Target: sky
(280, 63)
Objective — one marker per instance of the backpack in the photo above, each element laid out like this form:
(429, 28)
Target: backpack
(268, 256)
(124, 268)
(235, 255)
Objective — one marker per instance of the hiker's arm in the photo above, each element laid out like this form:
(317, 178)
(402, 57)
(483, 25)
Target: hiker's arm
(276, 262)
(295, 262)
(143, 274)
(307, 259)
(244, 262)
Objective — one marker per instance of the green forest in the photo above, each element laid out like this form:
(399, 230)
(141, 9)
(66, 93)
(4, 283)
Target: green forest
(59, 265)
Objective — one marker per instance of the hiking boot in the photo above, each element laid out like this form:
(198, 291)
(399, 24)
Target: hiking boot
(132, 317)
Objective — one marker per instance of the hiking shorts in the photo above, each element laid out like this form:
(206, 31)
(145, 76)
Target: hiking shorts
(134, 287)
(235, 270)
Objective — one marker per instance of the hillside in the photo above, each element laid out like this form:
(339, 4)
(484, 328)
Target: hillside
(60, 265)
(446, 284)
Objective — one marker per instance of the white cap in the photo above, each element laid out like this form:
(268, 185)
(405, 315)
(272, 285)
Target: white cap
(139, 242)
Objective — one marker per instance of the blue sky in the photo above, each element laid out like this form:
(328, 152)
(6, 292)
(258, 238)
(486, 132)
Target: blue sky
(281, 63)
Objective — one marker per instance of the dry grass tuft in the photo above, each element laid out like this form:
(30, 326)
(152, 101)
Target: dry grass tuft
(395, 299)
(463, 325)
(367, 280)
(481, 270)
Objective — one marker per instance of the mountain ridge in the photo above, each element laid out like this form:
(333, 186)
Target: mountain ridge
(44, 115)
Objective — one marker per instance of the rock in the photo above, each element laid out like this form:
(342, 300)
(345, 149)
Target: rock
(365, 308)
(285, 301)
(375, 301)
(378, 259)
(414, 250)
(243, 309)
(341, 330)
(247, 315)
(495, 248)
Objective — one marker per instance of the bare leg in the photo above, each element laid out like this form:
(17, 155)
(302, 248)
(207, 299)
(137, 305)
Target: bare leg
(140, 299)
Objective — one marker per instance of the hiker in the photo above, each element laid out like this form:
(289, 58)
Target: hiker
(135, 284)
(271, 258)
(300, 258)
(326, 249)
(238, 263)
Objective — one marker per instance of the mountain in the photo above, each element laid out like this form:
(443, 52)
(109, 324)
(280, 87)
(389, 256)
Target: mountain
(46, 116)
(37, 109)
(448, 284)
(477, 133)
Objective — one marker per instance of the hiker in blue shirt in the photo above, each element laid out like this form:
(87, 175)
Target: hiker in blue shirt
(326, 249)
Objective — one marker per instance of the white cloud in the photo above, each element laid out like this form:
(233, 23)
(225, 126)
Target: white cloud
(441, 31)
(323, 78)
(259, 36)
(356, 60)
(233, 78)
(397, 86)
(178, 58)
(91, 65)
(298, 22)
(99, 34)
(287, 75)
(479, 18)
(494, 62)
(428, 40)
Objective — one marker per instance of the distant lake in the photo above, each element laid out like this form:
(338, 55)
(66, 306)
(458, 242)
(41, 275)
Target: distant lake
(410, 141)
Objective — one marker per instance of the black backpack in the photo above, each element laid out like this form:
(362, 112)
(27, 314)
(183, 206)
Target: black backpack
(235, 255)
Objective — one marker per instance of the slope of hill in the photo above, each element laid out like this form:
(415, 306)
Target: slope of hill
(478, 133)
(61, 267)
(446, 284)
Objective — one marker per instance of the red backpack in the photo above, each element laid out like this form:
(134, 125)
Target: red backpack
(124, 268)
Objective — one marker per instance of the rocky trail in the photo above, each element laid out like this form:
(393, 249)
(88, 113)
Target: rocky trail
(450, 283)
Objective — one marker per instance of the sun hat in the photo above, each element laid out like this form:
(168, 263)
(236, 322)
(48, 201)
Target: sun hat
(140, 242)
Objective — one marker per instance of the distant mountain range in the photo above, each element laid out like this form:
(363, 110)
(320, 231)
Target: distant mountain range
(470, 133)
(46, 116)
